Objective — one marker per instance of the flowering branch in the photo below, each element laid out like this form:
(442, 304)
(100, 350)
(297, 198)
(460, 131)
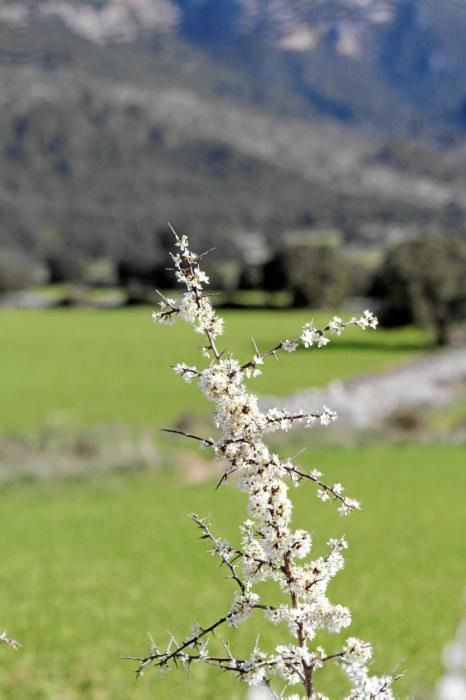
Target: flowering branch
(9, 642)
(325, 491)
(162, 659)
(270, 548)
(221, 547)
(311, 335)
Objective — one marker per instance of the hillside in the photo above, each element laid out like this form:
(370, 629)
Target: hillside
(223, 117)
(349, 59)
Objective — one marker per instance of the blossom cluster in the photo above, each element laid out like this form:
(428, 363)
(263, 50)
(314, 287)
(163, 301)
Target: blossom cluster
(270, 548)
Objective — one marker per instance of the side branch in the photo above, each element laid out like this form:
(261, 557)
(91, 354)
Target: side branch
(311, 335)
(163, 658)
(193, 278)
(229, 555)
(4, 639)
(280, 419)
(325, 491)
(207, 442)
(226, 553)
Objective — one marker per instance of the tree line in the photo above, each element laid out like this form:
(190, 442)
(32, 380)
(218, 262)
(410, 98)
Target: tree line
(420, 281)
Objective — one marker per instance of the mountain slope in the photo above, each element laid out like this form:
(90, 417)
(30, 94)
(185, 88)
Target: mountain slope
(392, 63)
(224, 116)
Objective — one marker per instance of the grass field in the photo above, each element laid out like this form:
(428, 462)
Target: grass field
(88, 567)
(114, 366)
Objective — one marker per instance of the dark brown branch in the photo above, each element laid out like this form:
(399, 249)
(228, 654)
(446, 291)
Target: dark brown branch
(197, 298)
(166, 301)
(307, 668)
(164, 657)
(268, 353)
(208, 534)
(205, 441)
(325, 487)
(279, 347)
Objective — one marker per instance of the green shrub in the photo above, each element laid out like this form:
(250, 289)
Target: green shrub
(316, 274)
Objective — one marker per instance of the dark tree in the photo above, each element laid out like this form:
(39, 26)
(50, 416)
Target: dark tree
(317, 275)
(423, 281)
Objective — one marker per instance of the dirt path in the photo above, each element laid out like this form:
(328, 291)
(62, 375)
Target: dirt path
(366, 401)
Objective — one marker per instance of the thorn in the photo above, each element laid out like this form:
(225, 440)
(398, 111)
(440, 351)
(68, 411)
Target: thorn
(223, 478)
(206, 252)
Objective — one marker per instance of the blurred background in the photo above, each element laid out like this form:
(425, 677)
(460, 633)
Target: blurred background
(319, 146)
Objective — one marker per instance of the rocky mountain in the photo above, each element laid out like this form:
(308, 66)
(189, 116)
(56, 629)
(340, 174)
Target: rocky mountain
(98, 22)
(227, 116)
(391, 62)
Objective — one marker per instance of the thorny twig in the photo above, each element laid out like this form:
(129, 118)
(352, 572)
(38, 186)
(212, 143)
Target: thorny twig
(270, 548)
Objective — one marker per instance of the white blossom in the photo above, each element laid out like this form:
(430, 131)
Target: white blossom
(163, 317)
(309, 336)
(336, 325)
(300, 543)
(195, 630)
(327, 416)
(241, 608)
(357, 652)
(289, 345)
(322, 341)
(367, 320)
(186, 372)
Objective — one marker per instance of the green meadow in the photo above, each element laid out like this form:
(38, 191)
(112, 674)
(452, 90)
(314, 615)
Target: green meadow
(90, 566)
(95, 366)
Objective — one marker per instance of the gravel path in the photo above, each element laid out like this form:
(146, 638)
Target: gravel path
(366, 401)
